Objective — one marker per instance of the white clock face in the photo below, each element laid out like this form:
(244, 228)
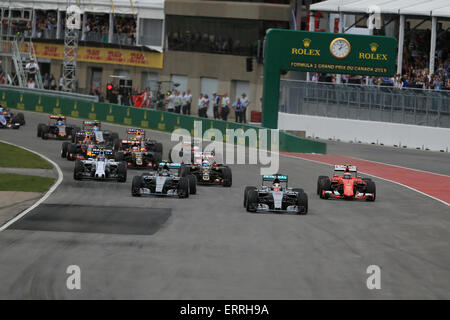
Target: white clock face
(340, 48)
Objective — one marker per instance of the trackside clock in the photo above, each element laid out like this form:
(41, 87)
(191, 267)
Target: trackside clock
(340, 48)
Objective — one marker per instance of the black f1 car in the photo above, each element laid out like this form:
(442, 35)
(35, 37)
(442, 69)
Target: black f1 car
(165, 181)
(85, 143)
(346, 184)
(275, 198)
(9, 120)
(207, 171)
(99, 167)
(57, 129)
(107, 138)
(138, 151)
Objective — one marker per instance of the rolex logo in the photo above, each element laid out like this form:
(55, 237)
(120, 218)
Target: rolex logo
(373, 46)
(306, 42)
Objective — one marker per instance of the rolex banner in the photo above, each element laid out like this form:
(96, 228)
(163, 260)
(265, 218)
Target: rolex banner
(323, 52)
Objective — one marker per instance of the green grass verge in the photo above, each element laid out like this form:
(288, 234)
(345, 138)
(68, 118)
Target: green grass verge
(14, 157)
(19, 182)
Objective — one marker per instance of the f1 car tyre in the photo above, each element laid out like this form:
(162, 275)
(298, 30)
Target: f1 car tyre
(122, 172)
(39, 129)
(119, 156)
(71, 152)
(252, 201)
(183, 188)
(246, 191)
(158, 147)
(77, 171)
(192, 184)
(324, 184)
(64, 148)
(371, 189)
(114, 136)
(135, 186)
(302, 201)
(227, 177)
(318, 183)
(19, 118)
(184, 171)
(45, 131)
(116, 144)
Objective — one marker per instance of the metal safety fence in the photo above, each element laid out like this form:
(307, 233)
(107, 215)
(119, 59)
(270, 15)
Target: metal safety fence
(372, 103)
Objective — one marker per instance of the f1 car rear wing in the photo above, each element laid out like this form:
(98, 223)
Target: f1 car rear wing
(57, 117)
(88, 123)
(136, 131)
(344, 167)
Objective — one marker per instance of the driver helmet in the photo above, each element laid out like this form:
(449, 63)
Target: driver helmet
(205, 163)
(101, 155)
(347, 175)
(95, 128)
(276, 186)
(165, 170)
(135, 148)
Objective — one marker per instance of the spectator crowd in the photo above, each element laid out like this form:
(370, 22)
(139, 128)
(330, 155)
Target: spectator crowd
(415, 73)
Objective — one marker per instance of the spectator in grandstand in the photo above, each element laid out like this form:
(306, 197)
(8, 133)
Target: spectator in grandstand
(398, 83)
(125, 30)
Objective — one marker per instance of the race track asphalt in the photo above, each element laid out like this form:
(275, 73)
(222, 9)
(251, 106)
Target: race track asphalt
(209, 247)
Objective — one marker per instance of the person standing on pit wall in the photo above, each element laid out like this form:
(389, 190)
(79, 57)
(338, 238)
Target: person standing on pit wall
(170, 101)
(237, 106)
(183, 102)
(178, 101)
(188, 102)
(245, 104)
(205, 106)
(216, 106)
(225, 101)
(200, 105)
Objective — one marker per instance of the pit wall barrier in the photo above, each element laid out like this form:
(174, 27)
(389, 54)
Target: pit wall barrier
(373, 132)
(144, 118)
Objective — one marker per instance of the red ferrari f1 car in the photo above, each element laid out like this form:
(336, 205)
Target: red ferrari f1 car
(346, 184)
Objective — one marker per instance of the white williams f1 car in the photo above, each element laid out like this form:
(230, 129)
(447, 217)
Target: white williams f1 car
(100, 168)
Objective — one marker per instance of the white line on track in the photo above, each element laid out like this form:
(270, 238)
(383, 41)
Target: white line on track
(401, 184)
(46, 195)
